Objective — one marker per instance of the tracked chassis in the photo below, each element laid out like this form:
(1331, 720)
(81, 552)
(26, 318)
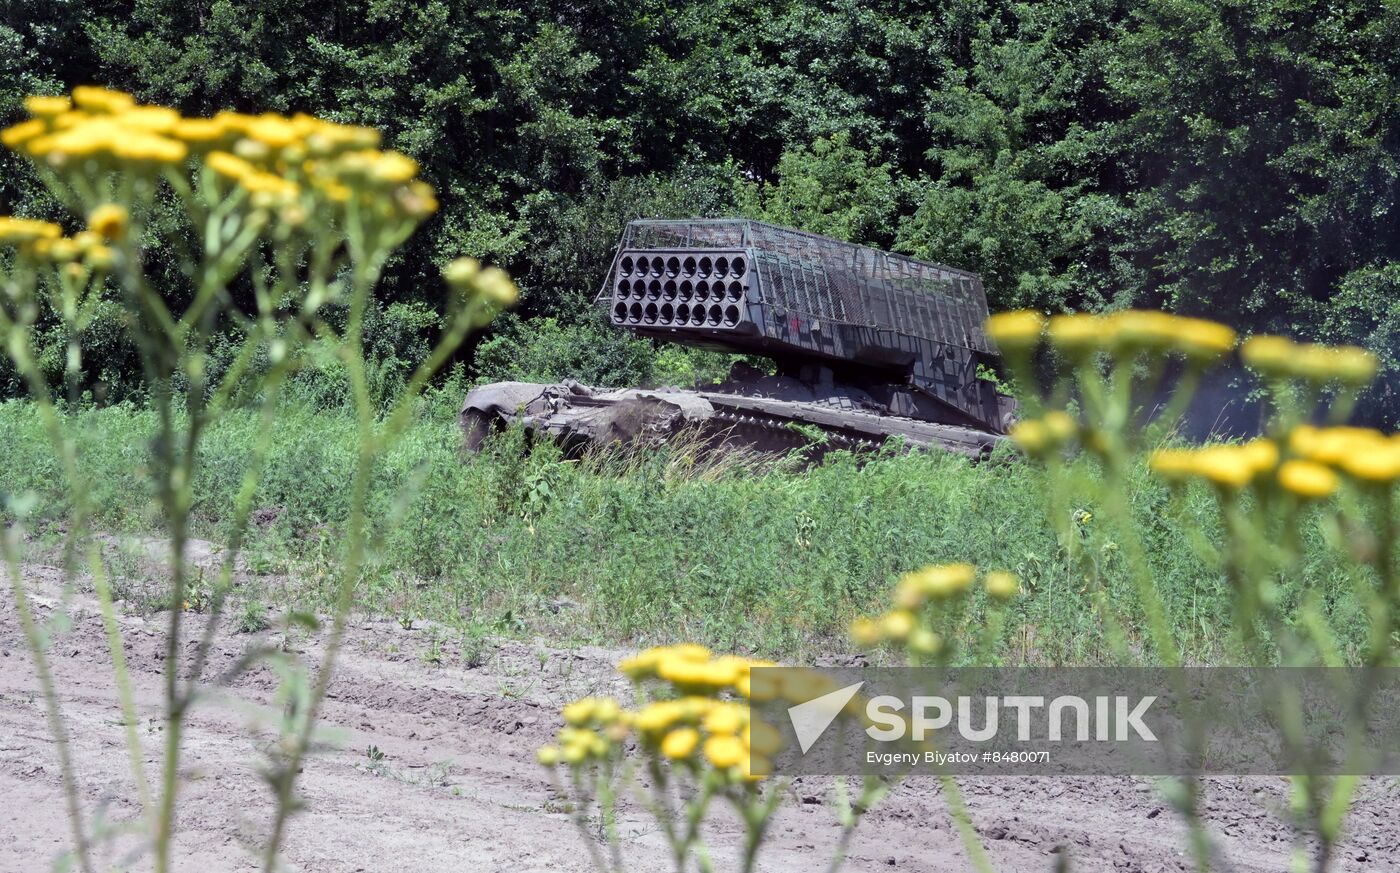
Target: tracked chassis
(868, 346)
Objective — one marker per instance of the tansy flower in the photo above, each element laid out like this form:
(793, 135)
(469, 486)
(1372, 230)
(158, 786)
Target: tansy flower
(46, 107)
(865, 632)
(724, 751)
(1225, 466)
(18, 134)
(944, 581)
(110, 221)
(495, 285)
(923, 641)
(726, 719)
(1079, 334)
(1307, 479)
(762, 738)
(680, 744)
(897, 624)
(1378, 464)
(98, 99)
(1016, 330)
(1145, 329)
(1174, 465)
(1202, 340)
(1031, 436)
(1002, 585)
(16, 231)
(1270, 355)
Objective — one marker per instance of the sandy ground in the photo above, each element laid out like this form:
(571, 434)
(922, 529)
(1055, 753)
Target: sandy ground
(457, 788)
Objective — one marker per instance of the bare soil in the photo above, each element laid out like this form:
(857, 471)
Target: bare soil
(453, 785)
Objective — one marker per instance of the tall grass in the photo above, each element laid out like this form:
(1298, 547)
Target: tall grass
(649, 547)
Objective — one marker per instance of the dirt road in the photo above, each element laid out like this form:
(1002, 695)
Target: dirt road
(452, 784)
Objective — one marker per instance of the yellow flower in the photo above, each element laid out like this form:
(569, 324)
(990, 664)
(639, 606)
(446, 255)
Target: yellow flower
(461, 272)
(1226, 466)
(110, 221)
(1379, 463)
(923, 641)
(680, 744)
(15, 231)
(801, 685)
(1270, 355)
(865, 632)
(1145, 329)
(394, 168)
(62, 250)
(1032, 436)
(147, 148)
(1016, 330)
(1333, 445)
(1261, 455)
(271, 130)
(725, 719)
(199, 131)
(1081, 333)
(1002, 585)
(580, 712)
(1202, 340)
(1307, 479)
(17, 134)
(547, 755)
(496, 287)
(762, 687)
(46, 107)
(154, 119)
(1354, 366)
(98, 99)
(99, 258)
(658, 717)
(229, 166)
(946, 581)
(762, 738)
(1059, 425)
(724, 752)
(417, 200)
(897, 624)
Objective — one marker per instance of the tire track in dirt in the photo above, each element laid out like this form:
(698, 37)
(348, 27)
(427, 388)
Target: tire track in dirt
(457, 787)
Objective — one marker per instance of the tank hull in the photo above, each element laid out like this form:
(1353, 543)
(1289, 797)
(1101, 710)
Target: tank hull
(581, 417)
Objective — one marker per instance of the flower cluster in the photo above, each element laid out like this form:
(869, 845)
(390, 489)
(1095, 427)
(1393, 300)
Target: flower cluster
(936, 588)
(701, 723)
(1280, 357)
(1117, 333)
(1040, 437)
(1310, 465)
(298, 166)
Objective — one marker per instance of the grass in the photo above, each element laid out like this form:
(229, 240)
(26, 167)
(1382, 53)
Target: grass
(643, 549)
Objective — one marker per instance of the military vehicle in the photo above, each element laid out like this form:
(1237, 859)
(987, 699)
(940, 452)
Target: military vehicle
(867, 346)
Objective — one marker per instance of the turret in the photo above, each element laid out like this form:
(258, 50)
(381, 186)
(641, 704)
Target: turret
(906, 331)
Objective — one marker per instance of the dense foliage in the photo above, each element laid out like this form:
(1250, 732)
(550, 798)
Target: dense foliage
(1236, 157)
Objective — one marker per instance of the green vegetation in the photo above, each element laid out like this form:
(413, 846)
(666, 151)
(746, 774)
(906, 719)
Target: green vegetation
(651, 548)
(1234, 158)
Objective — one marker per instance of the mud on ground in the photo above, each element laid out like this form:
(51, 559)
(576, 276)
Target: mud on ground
(451, 783)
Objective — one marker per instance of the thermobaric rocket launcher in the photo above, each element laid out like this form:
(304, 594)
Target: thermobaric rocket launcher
(867, 345)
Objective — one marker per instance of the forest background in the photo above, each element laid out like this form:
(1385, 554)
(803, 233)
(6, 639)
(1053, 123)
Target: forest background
(1235, 159)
